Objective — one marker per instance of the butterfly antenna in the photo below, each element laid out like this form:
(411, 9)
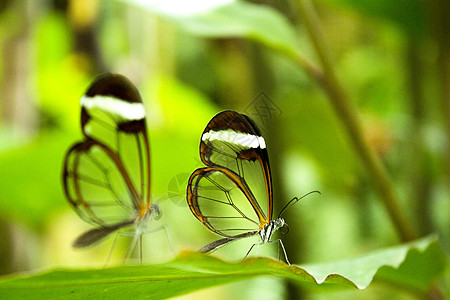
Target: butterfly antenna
(293, 201)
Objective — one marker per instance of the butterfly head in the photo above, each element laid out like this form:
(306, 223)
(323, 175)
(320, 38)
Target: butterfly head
(155, 211)
(266, 232)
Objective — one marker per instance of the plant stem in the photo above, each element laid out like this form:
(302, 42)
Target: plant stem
(420, 172)
(441, 22)
(348, 115)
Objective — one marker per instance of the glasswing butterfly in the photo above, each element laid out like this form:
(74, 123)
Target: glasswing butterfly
(232, 196)
(106, 176)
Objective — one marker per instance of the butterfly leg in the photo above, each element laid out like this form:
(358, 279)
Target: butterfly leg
(257, 249)
(278, 251)
(111, 250)
(169, 238)
(280, 243)
(136, 239)
(140, 249)
(284, 252)
(166, 231)
(251, 248)
(248, 252)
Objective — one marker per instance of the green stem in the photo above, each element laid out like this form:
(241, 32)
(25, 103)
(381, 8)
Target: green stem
(347, 112)
(440, 11)
(420, 173)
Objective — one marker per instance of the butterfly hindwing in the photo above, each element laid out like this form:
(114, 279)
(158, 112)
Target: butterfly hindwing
(95, 186)
(219, 199)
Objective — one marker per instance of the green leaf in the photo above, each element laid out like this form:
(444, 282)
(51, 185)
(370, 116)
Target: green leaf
(418, 263)
(413, 265)
(227, 19)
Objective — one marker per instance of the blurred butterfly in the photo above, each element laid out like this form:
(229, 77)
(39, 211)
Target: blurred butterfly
(106, 176)
(232, 195)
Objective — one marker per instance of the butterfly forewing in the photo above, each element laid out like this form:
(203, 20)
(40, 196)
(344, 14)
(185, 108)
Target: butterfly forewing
(114, 114)
(233, 141)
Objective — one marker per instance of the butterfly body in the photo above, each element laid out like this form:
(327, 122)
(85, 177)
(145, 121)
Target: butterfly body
(232, 196)
(144, 217)
(266, 232)
(106, 176)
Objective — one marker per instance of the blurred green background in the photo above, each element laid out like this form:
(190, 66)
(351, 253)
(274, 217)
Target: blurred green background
(392, 58)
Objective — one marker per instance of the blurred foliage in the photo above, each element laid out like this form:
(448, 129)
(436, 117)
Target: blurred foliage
(406, 15)
(190, 62)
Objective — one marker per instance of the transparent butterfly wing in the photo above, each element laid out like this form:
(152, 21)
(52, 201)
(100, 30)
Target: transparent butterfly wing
(219, 199)
(113, 114)
(232, 196)
(95, 186)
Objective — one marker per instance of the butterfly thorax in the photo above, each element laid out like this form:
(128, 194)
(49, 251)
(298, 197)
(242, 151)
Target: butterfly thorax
(144, 209)
(143, 220)
(266, 232)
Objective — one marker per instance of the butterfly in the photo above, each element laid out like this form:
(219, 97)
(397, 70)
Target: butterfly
(106, 176)
(232, 196)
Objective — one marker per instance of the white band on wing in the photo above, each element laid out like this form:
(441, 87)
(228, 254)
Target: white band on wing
(239, 138)
(122, 108)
